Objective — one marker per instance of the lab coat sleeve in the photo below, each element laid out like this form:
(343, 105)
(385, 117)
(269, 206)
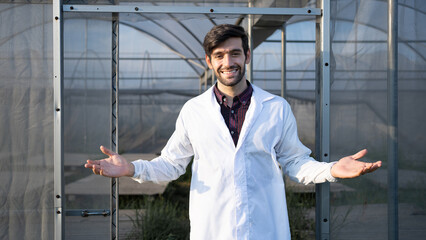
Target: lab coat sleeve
(295, 158)
(173, 160)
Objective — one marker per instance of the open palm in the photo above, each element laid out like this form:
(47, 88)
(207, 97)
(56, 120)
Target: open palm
(113, 166)
(350, 167)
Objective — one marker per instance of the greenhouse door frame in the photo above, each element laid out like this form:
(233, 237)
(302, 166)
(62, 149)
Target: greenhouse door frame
(322, 90)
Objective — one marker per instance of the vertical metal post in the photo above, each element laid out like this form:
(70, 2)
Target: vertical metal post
(206, 81)
(202, 80)
(322, 214)
(393, 119)
(114, 122)
(250, 41)
(283, 61)
(58, 120)
(212, 78)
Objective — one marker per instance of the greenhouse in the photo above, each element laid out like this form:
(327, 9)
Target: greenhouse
(77, 74)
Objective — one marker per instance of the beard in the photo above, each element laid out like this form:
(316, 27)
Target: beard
(230, 82)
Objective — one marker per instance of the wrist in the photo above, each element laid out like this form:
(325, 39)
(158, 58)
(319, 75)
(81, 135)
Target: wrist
(131, 171)
(332, 172)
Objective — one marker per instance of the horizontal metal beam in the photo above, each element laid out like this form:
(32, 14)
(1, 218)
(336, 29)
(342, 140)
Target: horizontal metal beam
(193, 10)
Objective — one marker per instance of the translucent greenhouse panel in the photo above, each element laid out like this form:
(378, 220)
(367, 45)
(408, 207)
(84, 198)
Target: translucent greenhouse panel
(412, 130)
(87, 104)
(359, 117)
(26, 120)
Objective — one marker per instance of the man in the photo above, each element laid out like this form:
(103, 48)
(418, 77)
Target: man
(238, 136)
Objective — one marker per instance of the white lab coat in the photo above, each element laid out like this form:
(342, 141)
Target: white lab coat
(237, 192)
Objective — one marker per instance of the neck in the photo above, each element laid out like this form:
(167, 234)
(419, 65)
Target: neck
(231, 91)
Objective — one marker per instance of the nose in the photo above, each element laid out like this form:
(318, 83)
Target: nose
(227, 60)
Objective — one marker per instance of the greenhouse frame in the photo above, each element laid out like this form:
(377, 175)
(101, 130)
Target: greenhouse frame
(77, 74)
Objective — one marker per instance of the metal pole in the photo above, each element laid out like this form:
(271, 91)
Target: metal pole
(250, 41)
(212, 78)
(393, 119)
(114, 220)
(283, 61)
(204, 79)
(322, 142)
(58, 120)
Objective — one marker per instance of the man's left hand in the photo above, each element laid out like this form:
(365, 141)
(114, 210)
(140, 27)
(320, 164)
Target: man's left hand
(350, 167)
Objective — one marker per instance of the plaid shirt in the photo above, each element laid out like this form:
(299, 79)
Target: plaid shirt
(234, 116)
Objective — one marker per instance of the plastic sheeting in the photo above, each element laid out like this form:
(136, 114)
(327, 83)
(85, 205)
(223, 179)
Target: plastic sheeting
(359, 116)
(26, 120)
(87, 111)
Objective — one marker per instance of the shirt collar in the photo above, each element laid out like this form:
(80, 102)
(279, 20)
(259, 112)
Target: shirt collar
(243, 97)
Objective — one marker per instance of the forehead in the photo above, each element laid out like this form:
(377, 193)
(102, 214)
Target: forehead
(231, 44)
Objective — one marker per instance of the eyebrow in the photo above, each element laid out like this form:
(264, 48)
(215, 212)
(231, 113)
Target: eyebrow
(227, 51)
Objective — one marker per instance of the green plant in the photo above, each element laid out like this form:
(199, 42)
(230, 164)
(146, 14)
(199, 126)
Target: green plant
(162, 217)
(160, 220)
(299, 205)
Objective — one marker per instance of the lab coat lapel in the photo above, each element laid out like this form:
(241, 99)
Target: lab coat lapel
(217, 118)
(255, 108)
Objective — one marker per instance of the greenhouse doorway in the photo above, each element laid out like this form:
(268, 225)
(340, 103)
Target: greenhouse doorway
(142, 62)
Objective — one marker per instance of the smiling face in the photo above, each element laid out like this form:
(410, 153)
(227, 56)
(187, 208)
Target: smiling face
(228, 62)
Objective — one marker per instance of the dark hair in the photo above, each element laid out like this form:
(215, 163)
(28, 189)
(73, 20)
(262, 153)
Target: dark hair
(220, 33)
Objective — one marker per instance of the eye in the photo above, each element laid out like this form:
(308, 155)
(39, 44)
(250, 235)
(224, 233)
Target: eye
(236, 54)
(218, 56)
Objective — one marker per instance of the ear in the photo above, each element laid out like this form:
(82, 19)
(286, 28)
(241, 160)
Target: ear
(248, 56)
(208, 61)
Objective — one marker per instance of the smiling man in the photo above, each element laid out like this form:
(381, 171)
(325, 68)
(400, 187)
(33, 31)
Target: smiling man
(239, 137)
(228, 60)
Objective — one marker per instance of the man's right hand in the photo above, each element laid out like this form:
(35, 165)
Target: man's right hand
(113, 166)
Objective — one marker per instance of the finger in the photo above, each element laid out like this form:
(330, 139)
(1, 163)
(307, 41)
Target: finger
(373, 166)
(96, 169)
(376, 165)
(93, 162)
(359, 154)
(106, 151)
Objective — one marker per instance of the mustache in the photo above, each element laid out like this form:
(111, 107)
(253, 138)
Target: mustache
(230, 68)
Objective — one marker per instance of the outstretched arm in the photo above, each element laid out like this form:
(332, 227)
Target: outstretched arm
(350, 167)
(113, 166)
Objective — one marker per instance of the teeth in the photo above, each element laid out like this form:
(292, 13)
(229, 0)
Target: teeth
(227, 72)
